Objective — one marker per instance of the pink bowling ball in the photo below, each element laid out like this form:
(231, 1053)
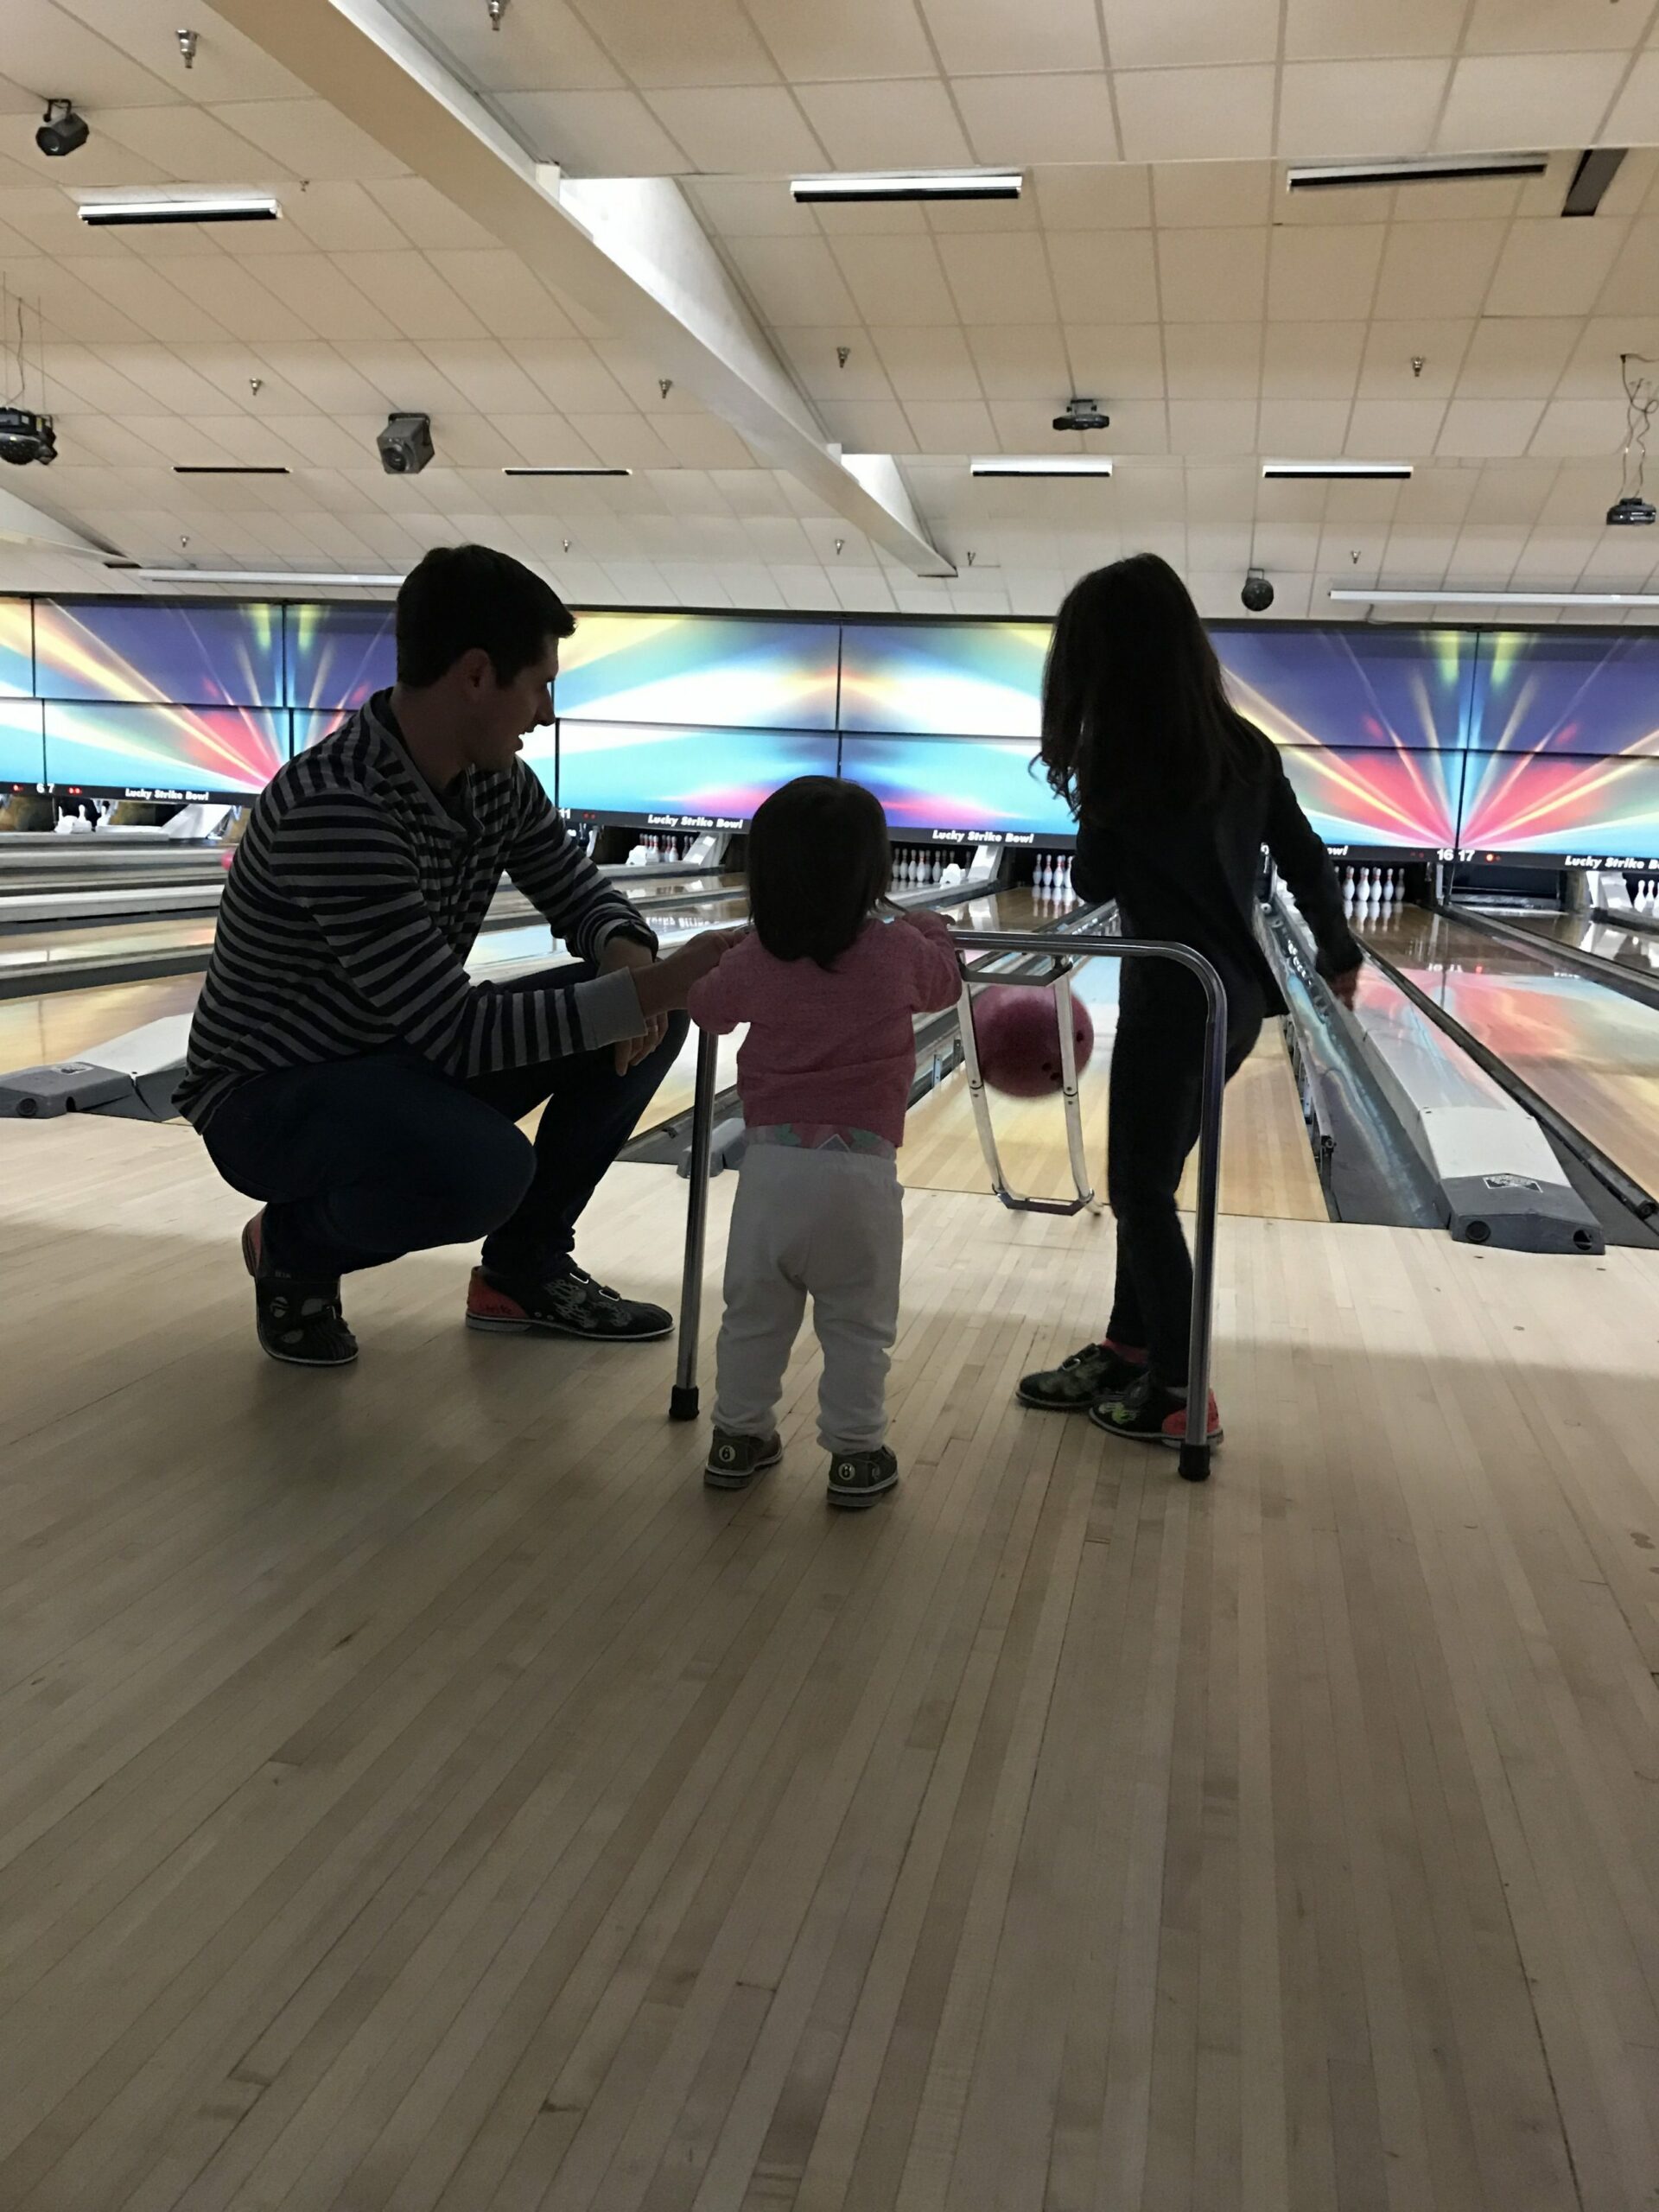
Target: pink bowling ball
(1019, 1037)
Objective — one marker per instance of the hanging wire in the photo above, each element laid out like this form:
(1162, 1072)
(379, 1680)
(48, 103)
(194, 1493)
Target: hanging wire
(1640, 404)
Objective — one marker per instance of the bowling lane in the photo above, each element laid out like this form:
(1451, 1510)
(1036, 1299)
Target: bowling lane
(1635, 949)
(1590, 1053)
(1266, 1168)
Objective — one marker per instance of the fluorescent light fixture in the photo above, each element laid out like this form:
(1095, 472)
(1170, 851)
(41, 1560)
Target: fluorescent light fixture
(1450, 168)
(299, 577)
(173, 208)
(1041, 464)
(1497, 598)
(1315, 471)
(575, 468)
(228, 468)
(913, 184)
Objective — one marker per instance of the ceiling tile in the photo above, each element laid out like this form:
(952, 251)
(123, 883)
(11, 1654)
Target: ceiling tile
(794, 281)
(1311, 360)
(867, 425)
(1328, 29)
(981, 37)
(1580, 426)
(1047, 119)
(47, 46)
(411, 295)
(1203, 195)
(1479, 427)
(1516, 357)
(1104, 277)
(320, 300)
(1212, 426)
(1155, 33)
(1303, 429)
(1393, 347)
(1115, 197)
(1554, 268)
(1632, 285)
(595, 134)
(741, 128)
(1549, 27)
(1002, 279)
(1320, 274)
(1592, 372)
(190, 145)
(1213, 360)
(931, 363)
(1344, 110)
(502, 294)
(855, 38)
(1112, 362)
(1634, 117)
(337, 219)
(1528, 99)
(486, 375)
(895, 280)
(750, 208)
(962, 426)
(711, 42)
(906, 123)
(1021, 363)
(1171, 115)
(1213, 276)
(813, 356)
(1394, 430)
(544, 49)
(1438, 270)
(309, 138)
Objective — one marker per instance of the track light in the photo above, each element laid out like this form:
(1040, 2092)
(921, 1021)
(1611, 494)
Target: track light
(915, 184)
(135, 208)
(63, 132)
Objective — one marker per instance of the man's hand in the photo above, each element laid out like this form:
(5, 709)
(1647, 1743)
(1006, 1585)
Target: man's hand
(628, 953)
(1343, 987)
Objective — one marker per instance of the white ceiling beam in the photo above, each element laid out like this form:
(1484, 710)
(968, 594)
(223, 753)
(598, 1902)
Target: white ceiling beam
(23, 525)
(628, 250)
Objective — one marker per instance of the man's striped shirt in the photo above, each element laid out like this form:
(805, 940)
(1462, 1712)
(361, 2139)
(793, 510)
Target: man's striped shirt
(354, 900)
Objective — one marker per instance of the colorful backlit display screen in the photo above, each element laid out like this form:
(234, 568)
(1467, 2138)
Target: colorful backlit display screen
(714, 671)
(949, 679)
(1400, 802)
(338, 655)
(17, 648)
(978, 787)
(165, 751)
(225, 655)
(23, 750)
(1561, 812)
(1404, 690)
(705, 779)
(1540, 693)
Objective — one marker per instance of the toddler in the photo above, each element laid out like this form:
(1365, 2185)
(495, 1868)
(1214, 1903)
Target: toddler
(828, 987)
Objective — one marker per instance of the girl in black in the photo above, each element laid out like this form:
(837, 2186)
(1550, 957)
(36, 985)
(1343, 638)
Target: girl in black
(1175, 796)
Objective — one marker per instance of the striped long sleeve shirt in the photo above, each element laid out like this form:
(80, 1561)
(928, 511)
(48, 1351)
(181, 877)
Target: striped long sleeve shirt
(353, 903)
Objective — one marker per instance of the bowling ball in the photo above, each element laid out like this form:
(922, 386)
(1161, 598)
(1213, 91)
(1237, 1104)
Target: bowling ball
(1019, 1037)
(224, 858)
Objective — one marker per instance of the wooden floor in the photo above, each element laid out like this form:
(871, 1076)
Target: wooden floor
(418, 1793)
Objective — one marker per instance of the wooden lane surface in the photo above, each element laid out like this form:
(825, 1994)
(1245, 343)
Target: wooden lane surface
(420, 1792)
(1590, 1052)
(1267, 1166)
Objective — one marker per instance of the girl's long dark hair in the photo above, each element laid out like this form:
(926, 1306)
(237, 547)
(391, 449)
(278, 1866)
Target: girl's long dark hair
(818, 861)
(1135, 715)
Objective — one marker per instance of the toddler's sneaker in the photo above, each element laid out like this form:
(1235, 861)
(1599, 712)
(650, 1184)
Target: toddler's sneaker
(1151, 1412)
(859, 1479)
(734, 1461)
(1082, 1381)
(571, 1305)
(299, 1318)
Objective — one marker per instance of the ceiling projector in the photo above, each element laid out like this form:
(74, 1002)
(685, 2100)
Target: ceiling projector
(25, 436)
(1082, 415)
(1630, 512)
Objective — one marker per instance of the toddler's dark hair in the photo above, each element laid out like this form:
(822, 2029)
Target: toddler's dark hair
(818, 861)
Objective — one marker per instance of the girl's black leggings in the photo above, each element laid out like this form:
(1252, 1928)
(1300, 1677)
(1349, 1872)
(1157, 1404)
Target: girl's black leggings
(1156, 1105)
